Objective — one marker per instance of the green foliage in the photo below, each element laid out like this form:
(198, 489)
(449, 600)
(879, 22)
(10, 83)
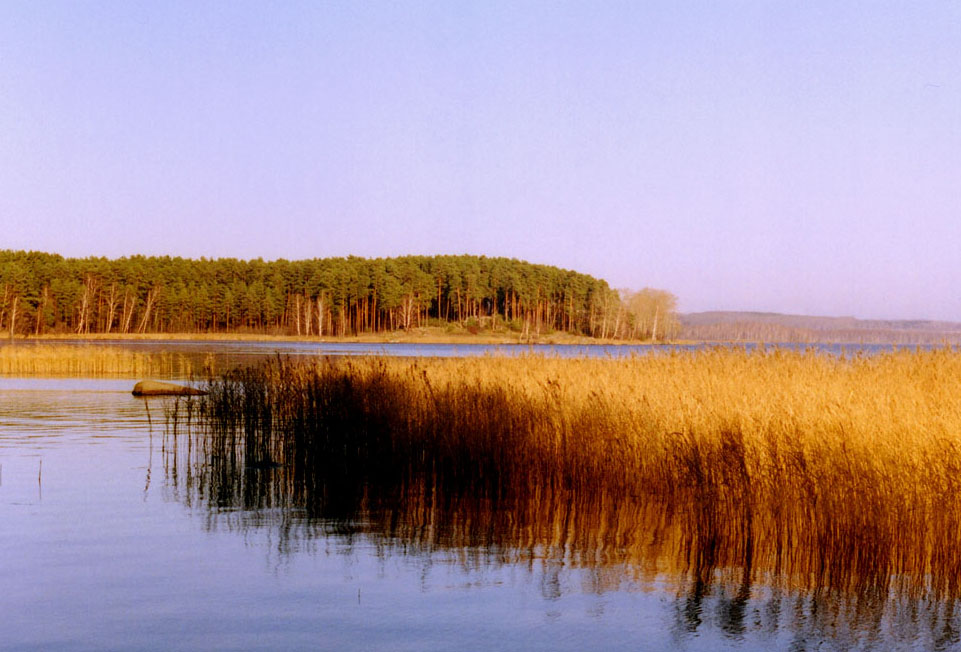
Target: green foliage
(329, 296)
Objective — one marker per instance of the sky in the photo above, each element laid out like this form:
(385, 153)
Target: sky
(800, 157)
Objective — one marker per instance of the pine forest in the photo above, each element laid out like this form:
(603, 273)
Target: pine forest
(44, 293)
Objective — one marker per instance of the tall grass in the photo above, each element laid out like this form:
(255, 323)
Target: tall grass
(91, 361)
(798, 469)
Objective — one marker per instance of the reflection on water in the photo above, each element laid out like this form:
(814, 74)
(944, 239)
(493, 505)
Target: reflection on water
(600, 540)
(68, 408)
(355, 553)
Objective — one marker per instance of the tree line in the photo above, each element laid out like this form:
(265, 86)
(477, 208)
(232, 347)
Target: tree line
(47, 293)
(772, 332)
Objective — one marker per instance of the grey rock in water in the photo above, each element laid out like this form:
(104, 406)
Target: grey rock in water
(157, 388)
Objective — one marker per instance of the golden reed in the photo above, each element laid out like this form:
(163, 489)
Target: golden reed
(792, 468)
(90, 361)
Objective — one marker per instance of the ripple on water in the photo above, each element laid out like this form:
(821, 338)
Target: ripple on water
(58, 409)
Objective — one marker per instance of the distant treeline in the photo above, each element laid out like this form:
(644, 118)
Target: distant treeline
(816, 322)
(47, 293)
(774, 327)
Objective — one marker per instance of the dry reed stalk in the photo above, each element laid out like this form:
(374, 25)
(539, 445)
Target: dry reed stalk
(820, 471)
(90, 361)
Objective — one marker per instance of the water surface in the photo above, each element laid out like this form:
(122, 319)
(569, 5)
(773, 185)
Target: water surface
(224, 354)
(118, 533)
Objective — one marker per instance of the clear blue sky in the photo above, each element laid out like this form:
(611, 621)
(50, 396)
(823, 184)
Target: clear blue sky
(783, 156)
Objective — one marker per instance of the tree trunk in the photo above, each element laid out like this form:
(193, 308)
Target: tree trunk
(297, 311)
(408, 311)
(308, 318)
(83, 322)
(41, 308)
(3, 303)
(13, 314)
(148, 306)
(128, 306)
(320, 314)
(111, 307)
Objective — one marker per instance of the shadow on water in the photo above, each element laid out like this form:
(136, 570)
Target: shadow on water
(327, 451)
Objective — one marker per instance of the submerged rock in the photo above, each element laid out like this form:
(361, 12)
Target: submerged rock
(157, 388)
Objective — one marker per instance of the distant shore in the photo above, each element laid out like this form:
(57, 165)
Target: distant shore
(425, 335)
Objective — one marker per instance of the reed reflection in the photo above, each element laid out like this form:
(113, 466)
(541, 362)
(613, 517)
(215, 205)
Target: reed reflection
(754, 534)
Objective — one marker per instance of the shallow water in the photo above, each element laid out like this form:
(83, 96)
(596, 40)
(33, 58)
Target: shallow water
(239, 350)
(111, 540)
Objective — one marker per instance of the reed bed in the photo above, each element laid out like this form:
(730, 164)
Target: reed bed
(796, 469)
(90, 361)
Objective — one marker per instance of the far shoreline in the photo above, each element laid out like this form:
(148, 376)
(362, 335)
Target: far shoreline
(424, 335)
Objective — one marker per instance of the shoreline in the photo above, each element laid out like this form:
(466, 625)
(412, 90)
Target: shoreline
(414, 336)
(440, 336)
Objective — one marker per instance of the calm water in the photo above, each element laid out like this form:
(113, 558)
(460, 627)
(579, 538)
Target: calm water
(116, 534)
(227, 353)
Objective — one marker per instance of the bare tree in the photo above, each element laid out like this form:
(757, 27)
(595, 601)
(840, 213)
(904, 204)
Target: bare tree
(113, 297)
(90, 284)
(7, 291)
(14, 308)
(149, 302)
(298, 300)
(308, 317)
(652, 313)
(129, 303)
(320, 314)
(407, 309)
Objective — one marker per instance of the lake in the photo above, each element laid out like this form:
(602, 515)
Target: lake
(121, 534)
(234, 352)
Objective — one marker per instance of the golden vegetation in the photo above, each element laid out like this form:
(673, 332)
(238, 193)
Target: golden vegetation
(801, 469)
(90, 361)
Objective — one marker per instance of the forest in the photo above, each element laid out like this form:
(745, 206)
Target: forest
(42, 293)
(729, 326)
